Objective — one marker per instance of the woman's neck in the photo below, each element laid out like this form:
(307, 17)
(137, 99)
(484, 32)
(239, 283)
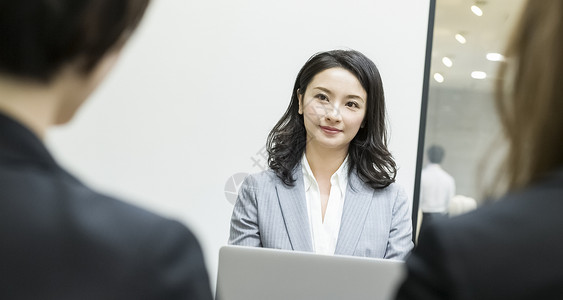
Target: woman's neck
(32, 104)
(324, 162)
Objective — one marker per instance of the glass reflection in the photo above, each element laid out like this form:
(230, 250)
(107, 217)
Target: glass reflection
(468, 42)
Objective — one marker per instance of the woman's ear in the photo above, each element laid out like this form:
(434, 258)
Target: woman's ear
(300, 98)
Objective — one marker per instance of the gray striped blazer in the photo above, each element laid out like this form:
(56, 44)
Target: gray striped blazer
(270, 214)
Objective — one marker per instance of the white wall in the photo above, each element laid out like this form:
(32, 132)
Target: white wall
(201, 84)
(465, 123)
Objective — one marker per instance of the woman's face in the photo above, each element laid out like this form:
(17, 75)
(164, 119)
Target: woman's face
(333, 108)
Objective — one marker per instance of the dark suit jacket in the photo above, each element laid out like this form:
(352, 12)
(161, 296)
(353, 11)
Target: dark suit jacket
(61, 240)
(512, 249)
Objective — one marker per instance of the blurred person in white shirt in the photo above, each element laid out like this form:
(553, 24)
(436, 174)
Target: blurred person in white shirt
(437, 187)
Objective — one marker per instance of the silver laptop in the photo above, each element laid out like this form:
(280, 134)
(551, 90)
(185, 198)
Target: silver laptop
(247, 273)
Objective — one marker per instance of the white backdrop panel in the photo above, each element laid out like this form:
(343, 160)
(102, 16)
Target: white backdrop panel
(201, 83)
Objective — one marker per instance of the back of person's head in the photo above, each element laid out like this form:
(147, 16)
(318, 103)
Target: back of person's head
(435, 154)
(39, 37)
(530, 94)
(287, 140)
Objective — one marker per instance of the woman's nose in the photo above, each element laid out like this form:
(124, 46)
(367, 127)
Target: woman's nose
(333, 113)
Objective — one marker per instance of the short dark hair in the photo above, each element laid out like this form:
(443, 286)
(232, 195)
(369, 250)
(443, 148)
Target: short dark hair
(435, 154)
(38, 37)
(368, 153)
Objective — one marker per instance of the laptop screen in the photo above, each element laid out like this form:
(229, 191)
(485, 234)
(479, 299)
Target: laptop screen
(247, 273)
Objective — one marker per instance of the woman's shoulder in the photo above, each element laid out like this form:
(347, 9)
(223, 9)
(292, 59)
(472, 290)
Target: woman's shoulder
(394, 187)
(393, 190)
(265, 177)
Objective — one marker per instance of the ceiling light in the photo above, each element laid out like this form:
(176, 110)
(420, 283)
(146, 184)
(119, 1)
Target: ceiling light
(438, 77)
(447, 62)
(495, 57)
(460, 38)
(476, 10)
(478, 74)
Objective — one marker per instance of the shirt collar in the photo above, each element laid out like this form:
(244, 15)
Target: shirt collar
(308, 177)
(339, 177)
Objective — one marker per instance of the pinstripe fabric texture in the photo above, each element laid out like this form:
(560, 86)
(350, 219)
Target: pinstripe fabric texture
(270, 214)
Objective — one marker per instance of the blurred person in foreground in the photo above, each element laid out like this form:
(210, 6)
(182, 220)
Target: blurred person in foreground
(58, 238)
(510, 249)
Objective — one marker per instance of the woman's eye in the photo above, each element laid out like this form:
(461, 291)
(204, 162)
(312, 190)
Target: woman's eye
(352, 104)
(322, 97)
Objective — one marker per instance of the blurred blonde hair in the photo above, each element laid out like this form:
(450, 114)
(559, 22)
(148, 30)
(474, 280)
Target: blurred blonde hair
(529, 95)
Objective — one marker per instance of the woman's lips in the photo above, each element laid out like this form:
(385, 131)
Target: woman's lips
(330, 130)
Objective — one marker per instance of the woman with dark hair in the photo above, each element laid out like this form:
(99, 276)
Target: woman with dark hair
(330, 186)
(510, 249)
(60, 239)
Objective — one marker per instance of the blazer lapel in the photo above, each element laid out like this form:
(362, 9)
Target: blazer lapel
(356, 206)
(294, 211)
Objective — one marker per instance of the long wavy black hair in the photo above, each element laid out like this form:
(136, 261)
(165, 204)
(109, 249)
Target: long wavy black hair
(368, 153)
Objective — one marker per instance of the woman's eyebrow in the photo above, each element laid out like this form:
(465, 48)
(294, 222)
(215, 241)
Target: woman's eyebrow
(323, 89)
(356, 97)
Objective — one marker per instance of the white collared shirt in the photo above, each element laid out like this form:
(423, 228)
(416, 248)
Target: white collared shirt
(325, 234)
(437, 188)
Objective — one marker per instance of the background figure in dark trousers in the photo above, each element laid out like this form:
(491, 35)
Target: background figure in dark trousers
(437, 188)
(510, 249)
(58, 238)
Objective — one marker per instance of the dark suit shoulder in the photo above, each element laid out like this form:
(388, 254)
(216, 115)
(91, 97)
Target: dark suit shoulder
(511, 241)
(70, 242)
(518, 213)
